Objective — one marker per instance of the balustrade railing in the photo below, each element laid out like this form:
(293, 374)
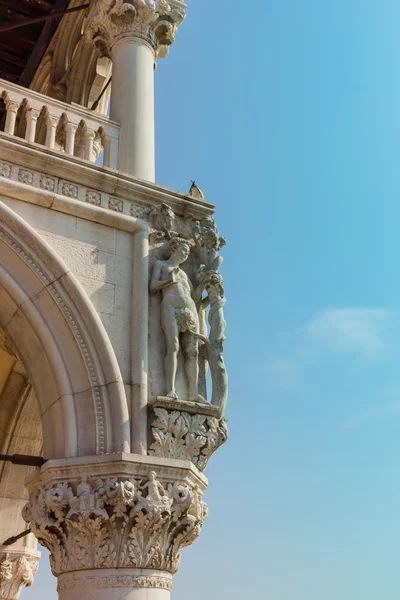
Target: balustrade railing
(59, 126)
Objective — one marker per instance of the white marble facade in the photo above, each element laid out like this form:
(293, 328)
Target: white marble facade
(111, 316)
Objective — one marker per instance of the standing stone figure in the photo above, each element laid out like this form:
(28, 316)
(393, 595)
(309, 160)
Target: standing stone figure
(216, 300)
(179, 318)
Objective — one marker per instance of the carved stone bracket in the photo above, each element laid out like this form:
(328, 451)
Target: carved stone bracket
(154, 21)
(186, 430)
(18, 568)
(131, 518)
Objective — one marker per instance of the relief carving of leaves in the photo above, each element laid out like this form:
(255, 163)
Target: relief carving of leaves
(165, 420)
(181, 426)
(213, 433)
(194, 443)
(162, 444)
(197, 425)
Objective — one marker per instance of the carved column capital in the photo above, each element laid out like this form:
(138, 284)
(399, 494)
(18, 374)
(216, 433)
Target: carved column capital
(153, 21)
(18, 567)
(125, 516)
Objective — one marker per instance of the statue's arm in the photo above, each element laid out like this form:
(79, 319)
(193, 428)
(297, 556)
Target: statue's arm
(156, 283)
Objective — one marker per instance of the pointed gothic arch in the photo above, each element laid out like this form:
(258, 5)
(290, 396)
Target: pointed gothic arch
(62, 344)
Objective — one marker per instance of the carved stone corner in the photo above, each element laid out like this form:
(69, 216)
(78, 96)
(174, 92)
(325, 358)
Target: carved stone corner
(185, 430)
(18, 567)
(119, 513)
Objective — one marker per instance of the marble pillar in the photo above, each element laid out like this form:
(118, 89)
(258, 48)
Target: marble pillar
(134, 35)
(115, 524)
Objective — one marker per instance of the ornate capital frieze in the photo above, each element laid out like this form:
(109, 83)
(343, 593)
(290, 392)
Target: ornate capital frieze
(17, 569)
(116, 522)
(154, 21)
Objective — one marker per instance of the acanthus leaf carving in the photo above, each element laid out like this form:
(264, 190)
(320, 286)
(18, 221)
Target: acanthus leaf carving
(184, 436)
(115, 522)
(155, 21)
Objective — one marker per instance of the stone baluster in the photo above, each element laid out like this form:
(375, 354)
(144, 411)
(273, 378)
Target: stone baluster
(12, 110)
(89, 144)
(31, 122)
(70, 142)
(51, 132)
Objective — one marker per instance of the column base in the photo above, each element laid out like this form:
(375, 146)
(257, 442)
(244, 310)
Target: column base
(115, 584)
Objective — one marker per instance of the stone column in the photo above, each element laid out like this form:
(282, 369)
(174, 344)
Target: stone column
(115, 524)
(18, 566)
(132, 105)
(134, 34)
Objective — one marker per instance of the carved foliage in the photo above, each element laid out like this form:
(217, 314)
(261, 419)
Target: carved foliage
(115, 523)
(188, 437)
(15, 572)
(156, 21)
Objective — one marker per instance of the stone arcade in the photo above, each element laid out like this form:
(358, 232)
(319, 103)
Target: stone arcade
(111, 316)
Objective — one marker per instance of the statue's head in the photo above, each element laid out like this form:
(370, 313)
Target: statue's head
(179, 248)
(152, 475)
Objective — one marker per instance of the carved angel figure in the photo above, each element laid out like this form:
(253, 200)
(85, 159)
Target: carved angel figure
(179, 318)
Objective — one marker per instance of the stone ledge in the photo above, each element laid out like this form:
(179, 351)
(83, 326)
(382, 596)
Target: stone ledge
(199, 408)
(90, 183)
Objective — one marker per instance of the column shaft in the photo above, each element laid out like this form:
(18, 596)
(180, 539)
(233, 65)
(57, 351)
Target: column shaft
(132, 105)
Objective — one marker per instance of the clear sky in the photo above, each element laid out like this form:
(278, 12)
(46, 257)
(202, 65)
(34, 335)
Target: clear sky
(287, 114)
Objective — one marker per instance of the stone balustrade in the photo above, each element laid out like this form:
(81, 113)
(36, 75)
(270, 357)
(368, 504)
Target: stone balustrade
(62, 127)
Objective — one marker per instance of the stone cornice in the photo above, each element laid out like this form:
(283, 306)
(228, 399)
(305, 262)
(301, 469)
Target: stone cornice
(122, 190)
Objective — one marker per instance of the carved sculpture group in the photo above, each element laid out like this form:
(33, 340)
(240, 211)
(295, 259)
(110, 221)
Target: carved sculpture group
(115, 523)
(184, 306)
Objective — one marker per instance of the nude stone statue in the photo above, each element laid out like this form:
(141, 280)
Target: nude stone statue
(179, 318)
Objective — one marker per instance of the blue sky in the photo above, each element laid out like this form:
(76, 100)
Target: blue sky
(287, 114)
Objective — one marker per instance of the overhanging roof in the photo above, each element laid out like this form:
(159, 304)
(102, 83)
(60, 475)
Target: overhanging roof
(22, 49)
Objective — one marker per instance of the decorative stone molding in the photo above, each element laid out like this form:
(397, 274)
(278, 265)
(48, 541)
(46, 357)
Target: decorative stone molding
(72, 190)
(115, 522)
(5, 169)
(25, 176)
(93, 197)
(181, 435)
(17, 569)
(69, 189)
(112, 581)
(154, 21)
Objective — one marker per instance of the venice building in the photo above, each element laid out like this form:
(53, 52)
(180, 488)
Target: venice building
(112, 378)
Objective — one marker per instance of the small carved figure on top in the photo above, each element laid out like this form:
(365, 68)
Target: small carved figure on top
(161, 220)
(86, 502)
(157, 499)
(179, 318)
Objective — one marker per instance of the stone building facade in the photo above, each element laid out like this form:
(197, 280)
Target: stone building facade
(111, 318)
